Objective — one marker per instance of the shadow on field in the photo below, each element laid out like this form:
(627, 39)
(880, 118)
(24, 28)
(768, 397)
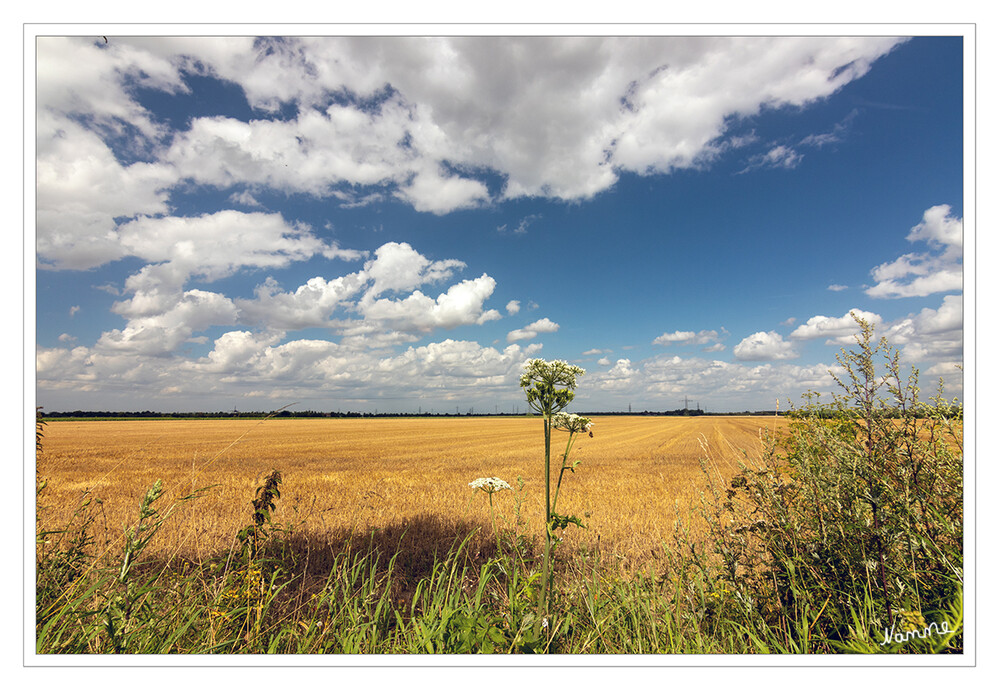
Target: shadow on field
(415, 544)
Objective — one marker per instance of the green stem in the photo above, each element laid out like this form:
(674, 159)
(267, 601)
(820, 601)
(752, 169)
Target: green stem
(565, 466)
(546, 576)
(492, 516)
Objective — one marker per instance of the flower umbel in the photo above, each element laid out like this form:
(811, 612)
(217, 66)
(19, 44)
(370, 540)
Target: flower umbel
(490, 485)
(572, 423)
(541, 382)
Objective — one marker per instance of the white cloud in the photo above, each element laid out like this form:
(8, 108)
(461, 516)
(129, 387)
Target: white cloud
(80, 188)
(255, 364)
(461, 305)
(532, 330)
(837, 288)
(521, 228)
(939, 229)
(311, 305)
(77, 76)
(397, 267)
(603, 361)
(597, 351)
(689, 337)
(838, 330)
(162, 333)
(764, 346)
(244, 198)
(418, 117)
(777, 157)
(162, 316)
(73, 310)
(920, 274)
(434, 191)
(663, 381)
(675, 337)
(932, 334)
(835, 136)
(620, 377)
(213, 246)
(236, 352)
(512, 307)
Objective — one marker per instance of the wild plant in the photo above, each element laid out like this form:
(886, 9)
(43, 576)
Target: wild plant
(549, 389)
(250, 589)
(855, 515)
(514, 628)
(490, 486)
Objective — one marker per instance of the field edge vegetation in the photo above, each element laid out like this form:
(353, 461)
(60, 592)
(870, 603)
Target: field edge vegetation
(844, 536)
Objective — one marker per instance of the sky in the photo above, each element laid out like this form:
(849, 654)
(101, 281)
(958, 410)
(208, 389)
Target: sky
(397, 224)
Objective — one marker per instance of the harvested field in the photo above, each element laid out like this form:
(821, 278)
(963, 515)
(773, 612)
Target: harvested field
(358, 477)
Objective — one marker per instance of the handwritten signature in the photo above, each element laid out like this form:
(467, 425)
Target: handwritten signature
(941, 628)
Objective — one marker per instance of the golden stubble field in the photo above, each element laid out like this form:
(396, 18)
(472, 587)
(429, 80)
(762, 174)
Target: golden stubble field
(360, 476)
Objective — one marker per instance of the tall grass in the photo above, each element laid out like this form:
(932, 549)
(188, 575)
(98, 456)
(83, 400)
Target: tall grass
(843, 536)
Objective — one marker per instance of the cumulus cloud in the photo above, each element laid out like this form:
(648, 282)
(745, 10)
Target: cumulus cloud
(397, 267)
(837, 288)
(512, 307)
(462, 304)
(661, 382)
(675, 337)
(258, 364)
(689, 337)
(919, 274)
(839, 330)
(162, 333)
(932, 334)
(311, 305)
(764, 346)
(419, 117)
(81, 188)
(532, 330)
(215, 245)
(374, 307)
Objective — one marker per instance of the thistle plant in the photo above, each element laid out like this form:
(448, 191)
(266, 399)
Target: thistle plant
(549, 388)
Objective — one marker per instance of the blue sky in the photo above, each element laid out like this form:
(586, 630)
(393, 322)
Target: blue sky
(399, 223)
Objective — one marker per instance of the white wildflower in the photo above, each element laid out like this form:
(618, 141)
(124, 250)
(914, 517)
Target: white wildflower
(571, 422)
(555, 372)
(490, 485)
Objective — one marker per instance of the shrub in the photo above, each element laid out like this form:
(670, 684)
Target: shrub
(853, 521)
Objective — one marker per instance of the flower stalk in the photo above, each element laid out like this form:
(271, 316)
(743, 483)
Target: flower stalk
(490, 486)
(549, 389)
